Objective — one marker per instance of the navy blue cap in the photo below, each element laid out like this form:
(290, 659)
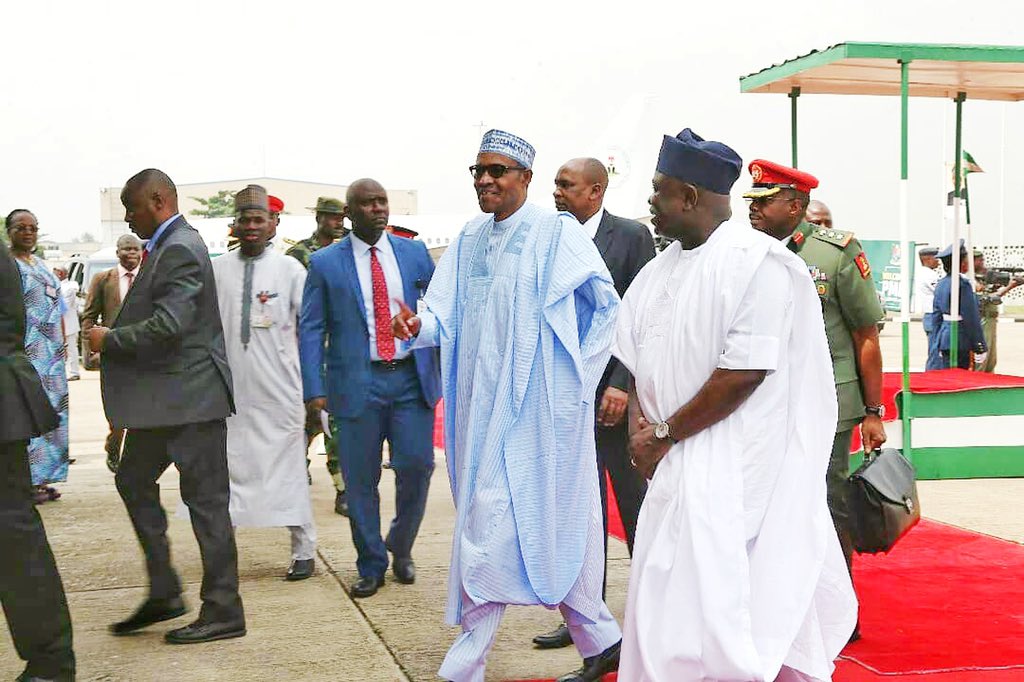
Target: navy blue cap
(711, 165)
(948, 251)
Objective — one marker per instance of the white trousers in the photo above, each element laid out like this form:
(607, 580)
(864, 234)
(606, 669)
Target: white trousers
(72, 354)
(303, 541)
(468, 654)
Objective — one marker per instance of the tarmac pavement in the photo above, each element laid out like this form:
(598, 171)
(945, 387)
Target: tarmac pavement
(312, 630)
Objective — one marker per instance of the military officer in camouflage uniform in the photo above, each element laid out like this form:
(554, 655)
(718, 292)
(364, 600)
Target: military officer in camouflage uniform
(841, 273)
(330, 227)
(990, 297)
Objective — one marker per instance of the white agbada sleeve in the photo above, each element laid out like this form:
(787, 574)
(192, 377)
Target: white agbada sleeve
(756, 334)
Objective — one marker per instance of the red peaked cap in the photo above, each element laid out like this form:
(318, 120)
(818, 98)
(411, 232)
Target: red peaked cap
(400, 231)
(770, 178)
(276, 205)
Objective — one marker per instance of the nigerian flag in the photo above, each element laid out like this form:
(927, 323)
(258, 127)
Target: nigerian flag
(967, 165)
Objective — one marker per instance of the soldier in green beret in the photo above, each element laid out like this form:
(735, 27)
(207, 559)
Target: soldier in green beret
(330, 227)
(841, 273)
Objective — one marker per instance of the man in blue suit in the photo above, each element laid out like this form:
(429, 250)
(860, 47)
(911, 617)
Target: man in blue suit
(376, 388)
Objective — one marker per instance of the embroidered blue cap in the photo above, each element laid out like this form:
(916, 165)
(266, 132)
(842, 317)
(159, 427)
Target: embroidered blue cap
(711, 165)
(516, 148)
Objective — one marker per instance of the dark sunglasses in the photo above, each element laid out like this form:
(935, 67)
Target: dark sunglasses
(495, 170)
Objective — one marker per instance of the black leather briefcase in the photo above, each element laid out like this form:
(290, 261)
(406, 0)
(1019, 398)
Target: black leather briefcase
(882, 499)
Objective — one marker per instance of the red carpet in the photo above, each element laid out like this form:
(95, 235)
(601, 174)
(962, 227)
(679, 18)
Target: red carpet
(940, 381)
(943, 600)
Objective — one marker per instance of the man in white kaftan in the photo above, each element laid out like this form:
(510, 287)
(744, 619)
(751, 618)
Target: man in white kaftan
(737, 573)
(522, 307)
(259, 292)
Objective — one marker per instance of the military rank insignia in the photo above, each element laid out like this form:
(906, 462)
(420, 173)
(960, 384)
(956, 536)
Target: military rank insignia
(863, 265)
(820, 279)
(798, 238)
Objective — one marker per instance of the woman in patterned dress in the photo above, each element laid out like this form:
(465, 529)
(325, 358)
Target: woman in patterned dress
(44, 345)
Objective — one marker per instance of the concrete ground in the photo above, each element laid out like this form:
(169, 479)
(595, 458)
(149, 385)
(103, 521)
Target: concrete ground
(312, 630)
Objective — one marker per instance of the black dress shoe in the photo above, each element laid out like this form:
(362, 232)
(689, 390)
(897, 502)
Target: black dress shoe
(205, 631)
(151, 611)
(367, 587)
(405, 570)
(556, 639)
(596, 667)
(341, 503)
(300, 569)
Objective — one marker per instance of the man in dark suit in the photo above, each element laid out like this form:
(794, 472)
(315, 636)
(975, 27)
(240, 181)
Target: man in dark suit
(626, 246)
(165, 378)
(30, 586)
(106, 291)
(375, 387)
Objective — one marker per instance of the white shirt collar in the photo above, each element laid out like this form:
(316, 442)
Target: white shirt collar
(122, 271)
(361, 248)
(593, 223)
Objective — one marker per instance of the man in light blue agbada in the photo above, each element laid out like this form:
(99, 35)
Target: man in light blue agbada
(523, 309)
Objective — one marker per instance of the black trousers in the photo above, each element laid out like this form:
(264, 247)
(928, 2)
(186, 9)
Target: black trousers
(629, 486)
(837, 487)
(30, 586)
(199, 451)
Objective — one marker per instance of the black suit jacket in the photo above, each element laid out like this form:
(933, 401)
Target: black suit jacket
(25, 411)
(163, 361)
(626, 247)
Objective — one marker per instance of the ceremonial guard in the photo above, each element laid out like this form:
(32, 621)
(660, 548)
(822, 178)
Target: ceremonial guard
(842, 276)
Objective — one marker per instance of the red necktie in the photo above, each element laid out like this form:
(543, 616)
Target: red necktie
(131, 278)
(381, 309)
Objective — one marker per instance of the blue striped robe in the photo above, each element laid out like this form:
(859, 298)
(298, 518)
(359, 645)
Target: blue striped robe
(524, 314)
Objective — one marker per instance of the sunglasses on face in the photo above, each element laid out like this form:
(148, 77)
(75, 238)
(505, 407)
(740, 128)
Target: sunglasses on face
(495, 170)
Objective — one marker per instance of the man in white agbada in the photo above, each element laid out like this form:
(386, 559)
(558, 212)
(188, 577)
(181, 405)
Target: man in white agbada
(737, 573)
(523, 308)
(259, 292)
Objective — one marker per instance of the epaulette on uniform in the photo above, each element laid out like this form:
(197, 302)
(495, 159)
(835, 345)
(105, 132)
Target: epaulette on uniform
(839, 238)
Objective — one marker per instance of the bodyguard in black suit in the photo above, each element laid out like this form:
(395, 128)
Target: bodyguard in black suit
(626, 247)
(30, 586)
(165, 378)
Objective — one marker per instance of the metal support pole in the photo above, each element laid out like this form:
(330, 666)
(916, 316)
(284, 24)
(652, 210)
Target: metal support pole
(907, 398)
(1002, 192)
(793, 95)
(954, 280)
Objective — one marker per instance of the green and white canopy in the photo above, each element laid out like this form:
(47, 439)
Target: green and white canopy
(957, 72)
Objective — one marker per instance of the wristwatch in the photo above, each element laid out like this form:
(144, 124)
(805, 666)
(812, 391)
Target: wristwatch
(876, 410)
(661, 431)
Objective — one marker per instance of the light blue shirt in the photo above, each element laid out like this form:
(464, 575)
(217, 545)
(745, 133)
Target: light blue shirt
(151, 244)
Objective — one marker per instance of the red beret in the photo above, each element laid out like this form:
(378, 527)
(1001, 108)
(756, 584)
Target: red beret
(276, 205)
(399, 231)
(770, 178)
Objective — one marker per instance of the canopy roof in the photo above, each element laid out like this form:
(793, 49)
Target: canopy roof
(980, 71)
